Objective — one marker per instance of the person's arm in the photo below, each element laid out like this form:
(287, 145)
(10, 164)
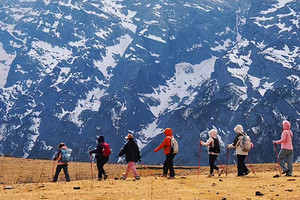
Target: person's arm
(235, 141)
(207, 143)
(162, 145)
(93, 151)
(123, 151)
(283, 138)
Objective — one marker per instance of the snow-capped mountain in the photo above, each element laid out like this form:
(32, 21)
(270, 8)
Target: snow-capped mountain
(74, 69)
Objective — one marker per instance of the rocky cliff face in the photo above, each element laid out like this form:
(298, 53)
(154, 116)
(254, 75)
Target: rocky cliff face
(72, 70)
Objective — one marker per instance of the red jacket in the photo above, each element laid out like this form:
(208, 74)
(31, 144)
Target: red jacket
(166, 144)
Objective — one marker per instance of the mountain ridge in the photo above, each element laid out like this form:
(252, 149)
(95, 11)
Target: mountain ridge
(73, 70)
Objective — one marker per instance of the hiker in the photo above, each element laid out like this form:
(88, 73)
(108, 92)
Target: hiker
(62, 159)
(241, 155)
(166, 144)
(213, 151)
(132, 155)
(102, 152)
(286, 151)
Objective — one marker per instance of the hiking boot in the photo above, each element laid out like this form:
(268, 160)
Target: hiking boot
(99, 179)
(220, 173)
(209, 175)
(137, 178)
(163, 176)
(247, 172)
(288, 175)
(171, 177)
(105, 176)
(123, 178)
(285, 172)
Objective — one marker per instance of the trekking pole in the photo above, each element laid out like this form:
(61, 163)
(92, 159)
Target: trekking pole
(277, 159)
(199, 159)
(251, 166)
(53, 168)
(91, 166)
(226, 172)
(148, 170)
(221, 164)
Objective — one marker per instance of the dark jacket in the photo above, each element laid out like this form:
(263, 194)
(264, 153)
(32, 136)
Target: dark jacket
(99, 149)
(132, 151)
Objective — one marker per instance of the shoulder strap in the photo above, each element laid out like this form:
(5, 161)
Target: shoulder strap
(170, 137)
(291, 133)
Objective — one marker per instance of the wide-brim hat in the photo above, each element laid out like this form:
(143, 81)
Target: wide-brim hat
(129, 136)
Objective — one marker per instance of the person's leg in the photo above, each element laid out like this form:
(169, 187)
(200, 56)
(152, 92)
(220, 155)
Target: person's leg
(211, 164)
(105, 161)
(102, 162)
(245, 169)
(65, 168)
(127, 171)
(214, 160)
(281, 157)
(99, 168)
(165, 167)
(289, 161)
(58, 169)
(240, 165)
(171, 166)
(133, 169)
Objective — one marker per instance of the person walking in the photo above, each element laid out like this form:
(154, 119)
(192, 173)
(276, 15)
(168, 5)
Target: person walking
(241, 155)
(286, 151)
(213, 151)
(102, 152)
(132, 155)
(166, 145)
(62, 159)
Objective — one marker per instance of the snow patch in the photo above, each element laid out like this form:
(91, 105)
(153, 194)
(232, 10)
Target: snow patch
(49, 56)
(108, 60)
(227, 43)
(149, 132)
(47, 2)
(179, 89)
(5, 63)
(91, 102)
(280, 4)
(156, 38)
(296, 80)
(286, 56)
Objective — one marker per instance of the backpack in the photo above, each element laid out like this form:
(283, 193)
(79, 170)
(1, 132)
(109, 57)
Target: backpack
(216, 147)
(65, 155)
(245, 142)
(174, 145)
(106, 150)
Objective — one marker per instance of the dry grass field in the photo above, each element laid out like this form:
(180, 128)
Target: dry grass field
(30, 179)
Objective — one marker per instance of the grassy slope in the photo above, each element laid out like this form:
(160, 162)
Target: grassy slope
(30, 180)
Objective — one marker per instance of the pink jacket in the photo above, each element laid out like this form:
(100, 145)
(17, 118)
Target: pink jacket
(286, 137)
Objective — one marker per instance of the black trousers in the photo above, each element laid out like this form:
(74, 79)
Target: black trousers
(100, 163)
(168, 165)
(212, 159)
(58, 169)
(242, 168)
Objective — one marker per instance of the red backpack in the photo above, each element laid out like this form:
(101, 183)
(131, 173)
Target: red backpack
(106, 150)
